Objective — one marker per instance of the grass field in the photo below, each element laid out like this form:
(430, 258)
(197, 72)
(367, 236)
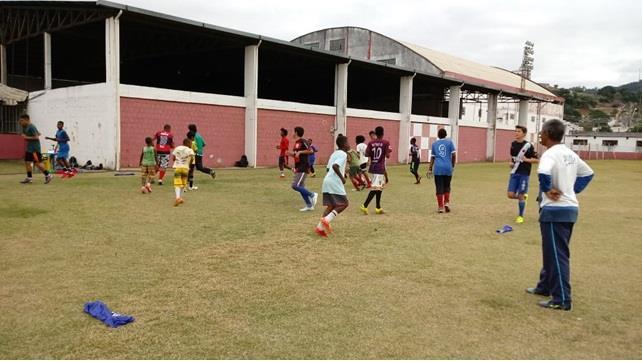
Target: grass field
(236, 272)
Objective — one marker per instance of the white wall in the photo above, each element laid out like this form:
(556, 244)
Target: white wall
(89, 113)
(594, 143)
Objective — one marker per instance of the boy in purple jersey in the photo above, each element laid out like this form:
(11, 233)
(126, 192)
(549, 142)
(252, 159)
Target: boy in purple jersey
(378, 150)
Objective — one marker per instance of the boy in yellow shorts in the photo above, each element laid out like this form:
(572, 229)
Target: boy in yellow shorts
(183, 158)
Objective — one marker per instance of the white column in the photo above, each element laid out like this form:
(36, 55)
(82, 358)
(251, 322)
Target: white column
(47, 42)
(341, 99)
(112, 75)
(251, 96)
(4, 70)
(523, 113)
(491, 132)
(405, 109)
(453, 113)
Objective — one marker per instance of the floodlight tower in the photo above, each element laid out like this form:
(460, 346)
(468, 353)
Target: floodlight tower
(527, 62)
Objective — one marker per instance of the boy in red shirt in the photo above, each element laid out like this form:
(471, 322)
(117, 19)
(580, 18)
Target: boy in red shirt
(164, 146)
(283, 155)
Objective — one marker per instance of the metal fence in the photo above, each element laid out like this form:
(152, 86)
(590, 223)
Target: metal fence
(9, 116)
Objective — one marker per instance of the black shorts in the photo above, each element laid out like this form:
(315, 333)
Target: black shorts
(334, 199)
(33, 157)
(442, 184)
(414, 166)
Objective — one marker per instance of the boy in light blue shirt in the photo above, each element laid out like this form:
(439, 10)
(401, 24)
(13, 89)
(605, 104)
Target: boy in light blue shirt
(334, 191)
(442, 161)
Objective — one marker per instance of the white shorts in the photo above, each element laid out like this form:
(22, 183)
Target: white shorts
(378, 181)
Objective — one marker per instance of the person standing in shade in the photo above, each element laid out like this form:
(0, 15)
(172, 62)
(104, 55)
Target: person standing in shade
(442, 164)
(32, 153)
(200, 144)
(562, 175)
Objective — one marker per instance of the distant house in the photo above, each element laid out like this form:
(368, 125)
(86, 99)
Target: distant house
(606, 145)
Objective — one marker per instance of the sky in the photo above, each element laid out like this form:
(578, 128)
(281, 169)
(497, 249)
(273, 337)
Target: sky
(591, 43)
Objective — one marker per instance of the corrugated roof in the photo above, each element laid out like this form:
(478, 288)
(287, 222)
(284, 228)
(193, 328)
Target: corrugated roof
(479, 74)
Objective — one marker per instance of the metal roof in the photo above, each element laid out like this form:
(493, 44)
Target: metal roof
(12, 96)
(605, 134)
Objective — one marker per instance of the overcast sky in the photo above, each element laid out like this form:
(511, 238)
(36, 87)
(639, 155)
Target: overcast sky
(590, 42)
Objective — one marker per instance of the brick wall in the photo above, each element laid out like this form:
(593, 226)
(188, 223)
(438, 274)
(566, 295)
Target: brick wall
(316, 126)
(12, 147)
(222, 127)
(361, 126)
(503, 139)
(472, 144)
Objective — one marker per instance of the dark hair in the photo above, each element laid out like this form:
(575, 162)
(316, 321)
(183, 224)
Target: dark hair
(524, 129)
(148, 140)
(341, 140)
(371, 133)
(442, 133)
(360, 139)
(299, 131)
(24, 116)
(192, 127)
(554, 129)
(61, 122)
(413, 140)
(284, 131)
(191, 135)
(167, 126)
(379, 131)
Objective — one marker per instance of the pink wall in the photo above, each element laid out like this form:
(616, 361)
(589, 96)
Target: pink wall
(222, 127)
(361, 126)
(472, 144)
(316, 126)
(503, 140)
(12, 147)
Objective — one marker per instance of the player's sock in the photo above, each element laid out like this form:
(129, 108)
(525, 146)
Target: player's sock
(522, 206)
(46, 173)
(371, 195)
(378, 200)
(328, 218)
(440, 200)
(161, 175)
(178, 192)
(447, 198)
(29, 174)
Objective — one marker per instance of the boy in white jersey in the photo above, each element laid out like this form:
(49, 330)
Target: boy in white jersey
(183, 158)
(562, 175)
(334, 192)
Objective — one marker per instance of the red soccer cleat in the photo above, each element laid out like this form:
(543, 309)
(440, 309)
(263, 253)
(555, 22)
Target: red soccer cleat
(321, 232)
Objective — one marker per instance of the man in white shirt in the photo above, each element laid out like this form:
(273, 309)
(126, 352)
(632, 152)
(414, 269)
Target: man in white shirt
(562, 175)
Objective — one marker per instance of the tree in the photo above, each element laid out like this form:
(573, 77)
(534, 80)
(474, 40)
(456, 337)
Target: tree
(607, 93)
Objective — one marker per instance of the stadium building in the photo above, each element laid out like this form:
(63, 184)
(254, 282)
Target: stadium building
(116, 74)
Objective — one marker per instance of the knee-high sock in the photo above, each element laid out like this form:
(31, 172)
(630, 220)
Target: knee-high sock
(378, 200)
(371, 195)
(522, 205)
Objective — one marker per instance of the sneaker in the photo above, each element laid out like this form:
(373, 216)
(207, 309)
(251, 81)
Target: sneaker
(213, 174)
(192, 188)
(160, 182)
(326, 225)
(307, 208)
(537, 291)
(519, 220)
(441, 210)
(379, 211)
(178, 202)
(321, 232)
(553, 305)
(27, 180)
(315, 198)
(48, 178)
(282, 175)
(363, 209)
(447, 207)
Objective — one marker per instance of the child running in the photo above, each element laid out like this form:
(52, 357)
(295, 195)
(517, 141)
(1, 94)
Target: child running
(363, 159)
(62, 153)
(32, 153)
(183, 158)
(164, 146)
(334, 192)
(300, 153)
(378, 150)
(147, 165)
(354, 170)
(443, 159)
(414, 160)
(522, 156)
(190, 176)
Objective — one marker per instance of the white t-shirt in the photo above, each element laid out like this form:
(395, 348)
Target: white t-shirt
(564, 166)
(332, 183)
(361, 148)
(182, 156)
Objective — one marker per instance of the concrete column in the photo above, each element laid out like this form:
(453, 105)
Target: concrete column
(47, 42)
(523, 113)
(341, 99)
(251, 96)
(453, 113)
(112, 75)
(4, 70)
(491, 132)
(405, 109)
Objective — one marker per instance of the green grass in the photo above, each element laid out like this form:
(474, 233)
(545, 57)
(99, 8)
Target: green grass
(236, 272)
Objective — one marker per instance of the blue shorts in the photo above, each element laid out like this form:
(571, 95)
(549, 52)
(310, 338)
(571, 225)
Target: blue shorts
(63, 152)
(518, 184)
